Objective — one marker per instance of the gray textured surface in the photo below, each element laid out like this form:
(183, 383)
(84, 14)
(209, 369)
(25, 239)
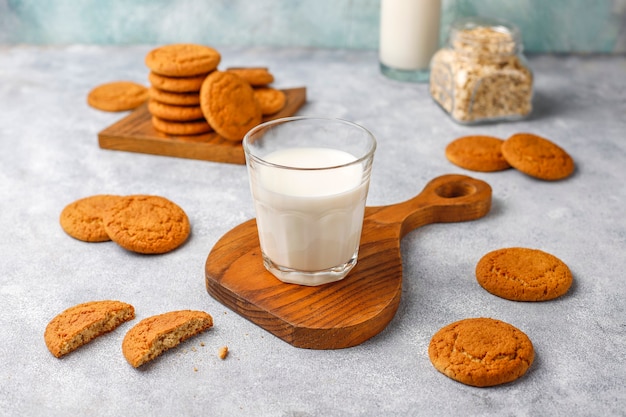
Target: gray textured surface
(49, 157)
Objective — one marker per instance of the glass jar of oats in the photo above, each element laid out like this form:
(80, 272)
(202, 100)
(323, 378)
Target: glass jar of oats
(481, 75)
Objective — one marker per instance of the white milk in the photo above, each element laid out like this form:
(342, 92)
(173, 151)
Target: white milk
(309, 220)
(409, 33)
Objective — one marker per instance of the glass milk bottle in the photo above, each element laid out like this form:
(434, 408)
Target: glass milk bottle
(409, 36)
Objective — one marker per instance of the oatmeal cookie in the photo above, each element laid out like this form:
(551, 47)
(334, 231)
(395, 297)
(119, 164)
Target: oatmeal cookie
(538, 157)
(174, 113)
(82, 323)
(228, 103)
(523, 274)
(82, 219)
(154, 335)
(477, 153)
(117, 96)
(270, 99)
(146, 224)
(481, 352)
(188, 128)
(182, 59)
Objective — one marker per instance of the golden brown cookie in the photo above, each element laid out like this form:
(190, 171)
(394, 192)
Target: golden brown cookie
(82, 323)
(192, 127)
(82, 219)
(228, 104)
(254, 76)
(175, 99)
(177, 84)
(117, 96)
(523, 274)
(481, 352)
(146, 224)
(477, 153)
(182, 59)
(154, 335)
(270, 99)
(174, 113)
(537, 157)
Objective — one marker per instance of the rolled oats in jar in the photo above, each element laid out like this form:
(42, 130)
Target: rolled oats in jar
(481, 75)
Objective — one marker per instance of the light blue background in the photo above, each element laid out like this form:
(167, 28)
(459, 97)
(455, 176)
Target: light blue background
(584, 26)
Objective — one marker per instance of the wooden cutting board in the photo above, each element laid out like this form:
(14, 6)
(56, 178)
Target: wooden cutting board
(135, 133)
(347, 312)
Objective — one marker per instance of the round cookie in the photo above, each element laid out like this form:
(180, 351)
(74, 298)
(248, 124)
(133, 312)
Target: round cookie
(146, 224)
(182, 59)
(177, 84)
(537, 157)
(82, 219)
(523, 274)
(175, 99)
(477, 153)
(154, 335)
(82, 323)
(254, 76)
(481, 352)
(193, 127)
(175, 113)
(117, 96)
(228, 103)
(270, 99)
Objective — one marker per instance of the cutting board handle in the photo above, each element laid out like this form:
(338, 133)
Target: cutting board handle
(347, 312)
(448, 198)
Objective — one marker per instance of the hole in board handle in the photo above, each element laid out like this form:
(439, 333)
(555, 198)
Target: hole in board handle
(455, 189)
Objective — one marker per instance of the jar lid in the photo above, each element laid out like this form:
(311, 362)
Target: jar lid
(485, 36)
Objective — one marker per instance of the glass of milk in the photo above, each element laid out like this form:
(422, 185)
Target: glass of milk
(409, 37)
(309, 179)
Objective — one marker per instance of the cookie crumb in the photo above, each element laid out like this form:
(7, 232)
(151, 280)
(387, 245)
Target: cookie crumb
(223, 352)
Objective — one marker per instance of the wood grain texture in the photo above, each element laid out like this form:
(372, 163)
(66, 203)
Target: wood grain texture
(135, 133)
(347, 312)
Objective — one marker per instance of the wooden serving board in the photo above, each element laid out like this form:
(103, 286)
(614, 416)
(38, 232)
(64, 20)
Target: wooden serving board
(135, 133)
(347, 312)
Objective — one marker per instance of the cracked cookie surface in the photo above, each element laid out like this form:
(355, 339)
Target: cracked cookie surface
(523, 274)
(270, 99)
(182, 60)
(78, 325)
(82, 219)
(228, 103)
(537, 157)
(477, 153)
(154, 335)
(481, 352)
(146, 224)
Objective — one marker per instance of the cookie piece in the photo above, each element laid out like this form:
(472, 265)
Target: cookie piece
(192, 127)
(477, 153)
(538, 157)
(254, 76)
(175, 99)
(82, 323)
(182, 59)
(270, 99)
(523, 274)
(117, 96)
(82, 219)
(228, 103)
(154, 335)
(174, 113)
(481, 352)
(177, 84)
(146, 224)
